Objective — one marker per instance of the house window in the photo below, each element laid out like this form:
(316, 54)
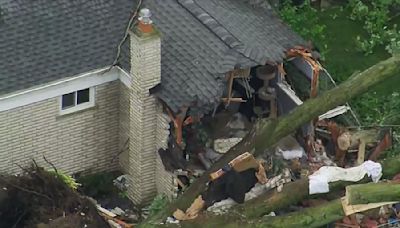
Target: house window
(77, 100)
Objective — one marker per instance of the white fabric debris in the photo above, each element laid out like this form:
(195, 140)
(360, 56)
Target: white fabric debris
(172, 220)
(289, 148)
(291, 154)
(319, 181)
(374, 170)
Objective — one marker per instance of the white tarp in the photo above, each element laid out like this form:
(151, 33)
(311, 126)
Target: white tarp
(319, 181)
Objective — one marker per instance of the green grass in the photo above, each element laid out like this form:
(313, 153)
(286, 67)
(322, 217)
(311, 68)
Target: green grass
(342, 58)
(99, 184)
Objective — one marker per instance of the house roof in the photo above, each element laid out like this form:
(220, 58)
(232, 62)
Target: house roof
(45, 40)
(204, 39)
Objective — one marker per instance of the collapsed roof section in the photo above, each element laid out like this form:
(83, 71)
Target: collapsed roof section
(203, 40)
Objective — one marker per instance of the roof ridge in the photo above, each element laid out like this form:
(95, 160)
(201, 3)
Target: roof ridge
(215, 27)
(261, 3)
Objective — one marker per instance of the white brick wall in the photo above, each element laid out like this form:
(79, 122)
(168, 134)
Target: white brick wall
(146, 73)
(124, 125)
(83, 141)
(164, 179)
(89, 140)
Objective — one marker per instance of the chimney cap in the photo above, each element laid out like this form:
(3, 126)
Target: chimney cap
(144, 16)
(145, 24)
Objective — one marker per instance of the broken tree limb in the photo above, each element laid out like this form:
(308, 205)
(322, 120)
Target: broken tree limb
(265, 134)
(309, 217)
(324, 214)
(361, 193)
(355, 85)
(274, 200)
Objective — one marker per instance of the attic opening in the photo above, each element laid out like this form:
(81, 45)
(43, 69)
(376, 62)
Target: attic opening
(257, 93)
(196, 142)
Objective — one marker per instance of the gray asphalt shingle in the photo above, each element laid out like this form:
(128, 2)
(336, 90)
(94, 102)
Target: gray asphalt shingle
(46, 40)
(204, 39)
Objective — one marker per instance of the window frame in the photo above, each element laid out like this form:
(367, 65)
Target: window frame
(77, 107)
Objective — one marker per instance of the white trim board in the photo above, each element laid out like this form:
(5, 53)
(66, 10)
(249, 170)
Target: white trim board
(125, 77)
(58, 88)
(339, 110)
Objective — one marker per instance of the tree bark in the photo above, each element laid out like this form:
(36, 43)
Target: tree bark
(274, 201)
(324, 214)
(361, 193)
(265, 134)
(309, 217)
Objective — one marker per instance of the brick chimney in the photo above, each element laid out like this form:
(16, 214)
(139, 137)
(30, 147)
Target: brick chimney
(145, 53)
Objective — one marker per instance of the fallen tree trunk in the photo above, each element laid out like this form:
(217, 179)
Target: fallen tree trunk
(309, 217)
(332, 211)
(360, 194)
(265, 134)
(274, 201)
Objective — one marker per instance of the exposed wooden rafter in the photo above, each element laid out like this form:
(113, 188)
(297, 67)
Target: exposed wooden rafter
(230, 77)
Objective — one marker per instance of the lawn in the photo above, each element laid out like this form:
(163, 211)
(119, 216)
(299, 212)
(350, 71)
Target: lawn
(342, 58)
(335, 35)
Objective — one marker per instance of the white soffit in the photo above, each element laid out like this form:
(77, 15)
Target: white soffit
(58, 88)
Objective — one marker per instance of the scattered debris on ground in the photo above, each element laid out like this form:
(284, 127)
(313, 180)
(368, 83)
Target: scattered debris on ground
(47, 199)
(331, 148)
(37, 198)
(107, 190)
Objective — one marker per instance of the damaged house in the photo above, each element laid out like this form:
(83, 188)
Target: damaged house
(183, 63)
